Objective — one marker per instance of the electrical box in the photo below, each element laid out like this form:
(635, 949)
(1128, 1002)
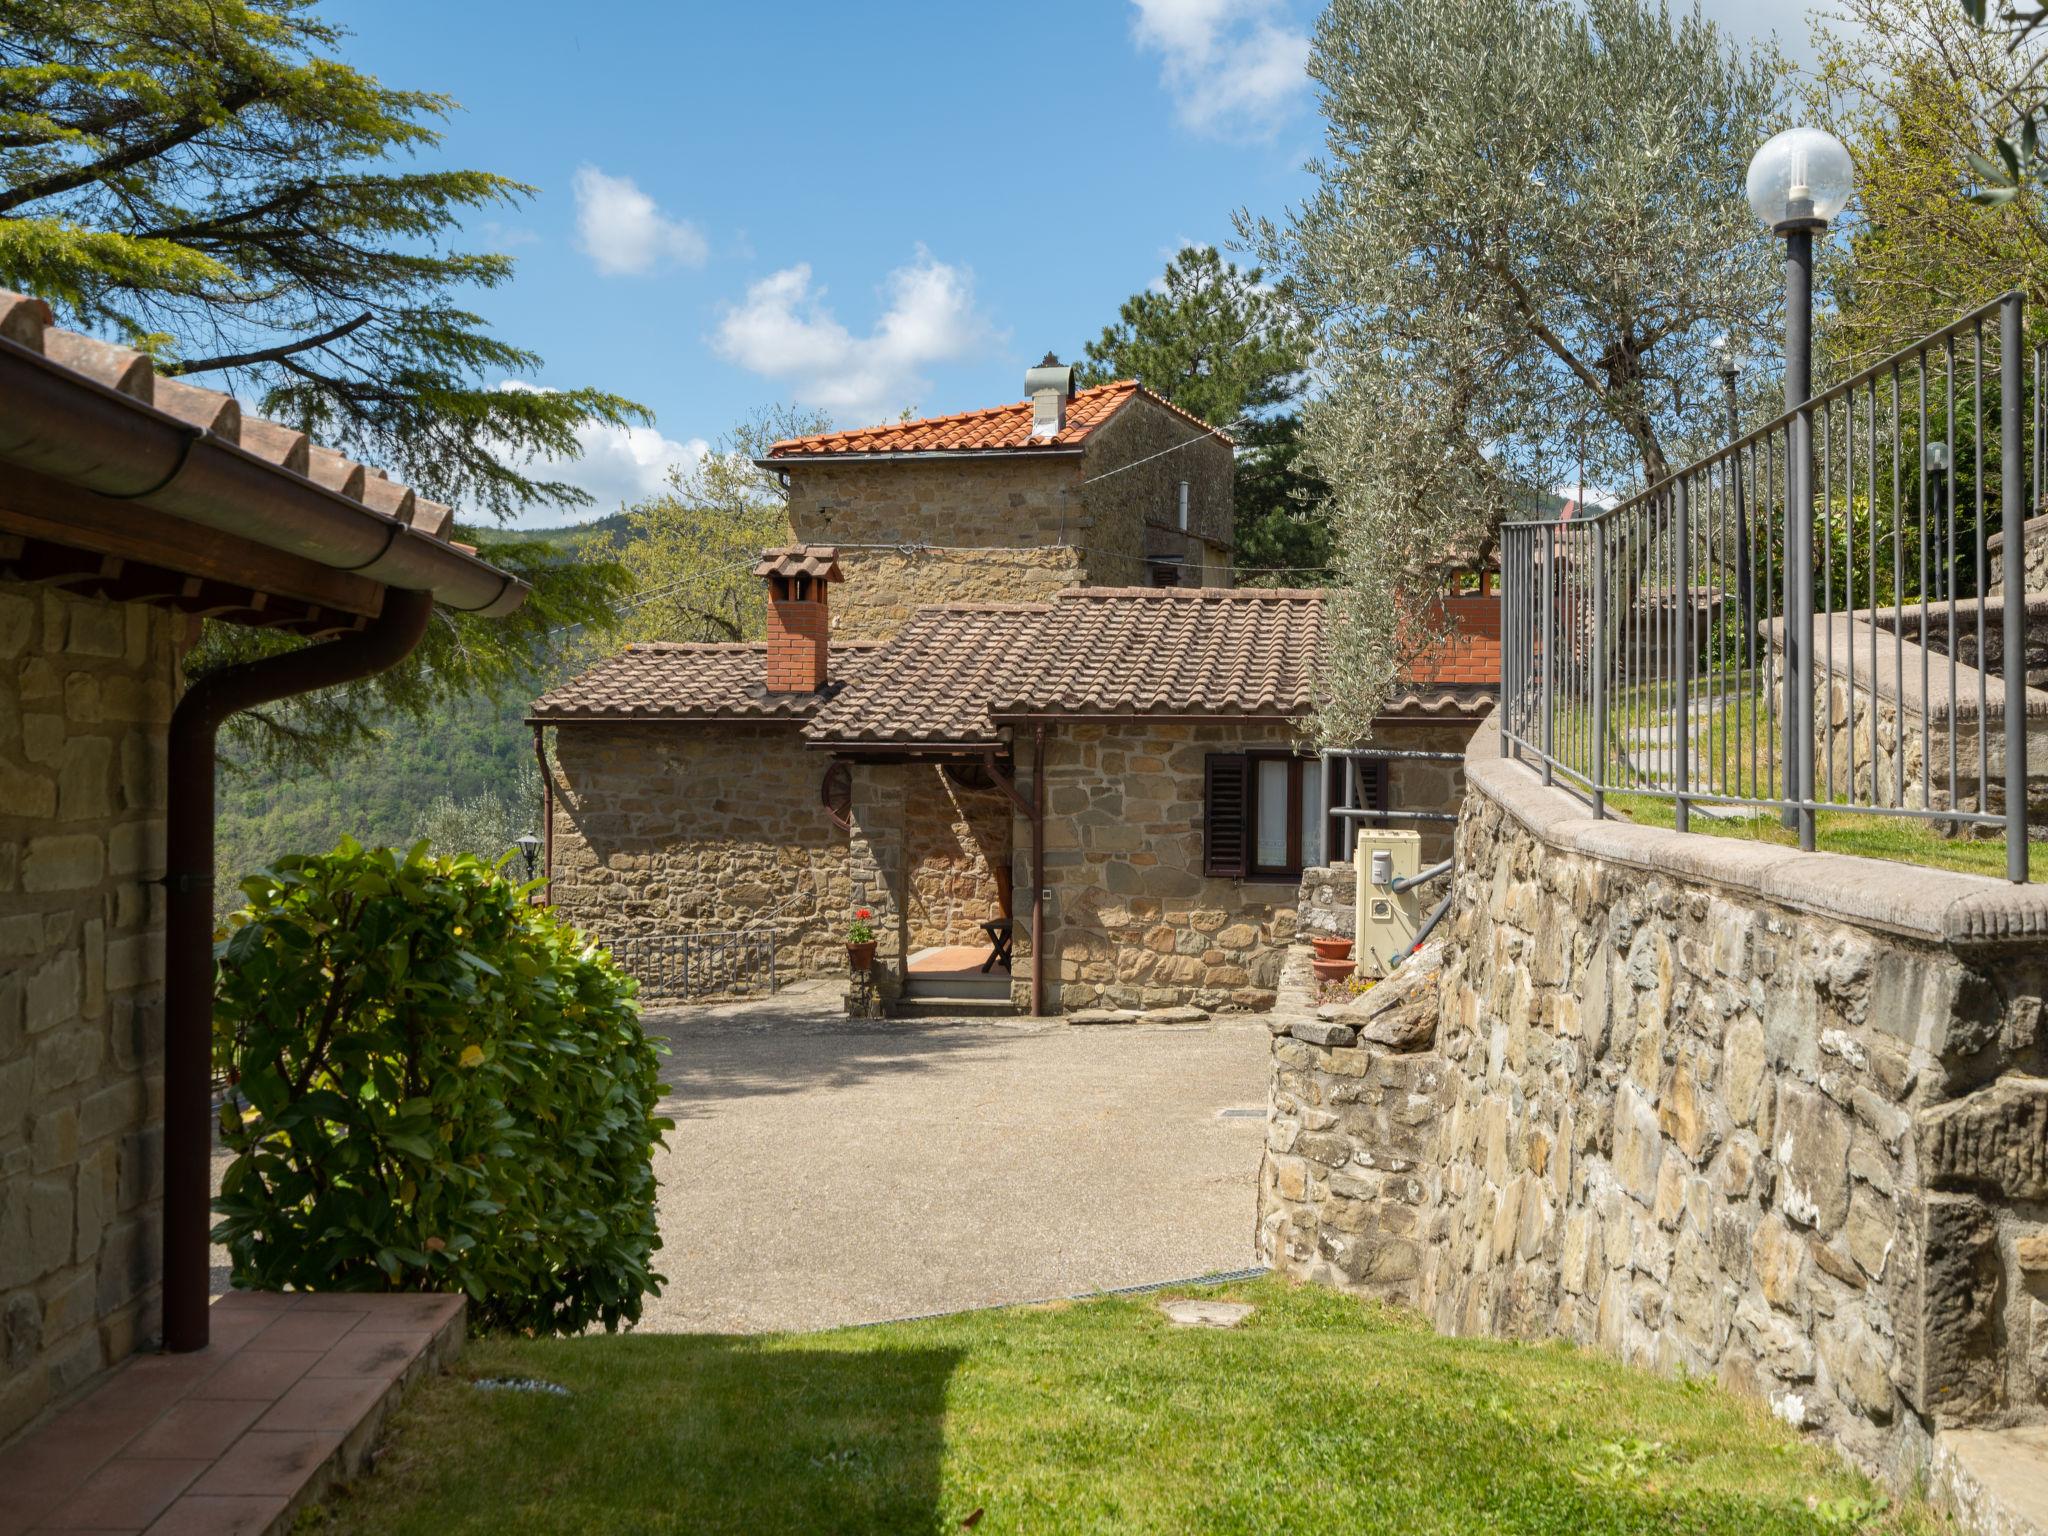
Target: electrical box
(1386, 922)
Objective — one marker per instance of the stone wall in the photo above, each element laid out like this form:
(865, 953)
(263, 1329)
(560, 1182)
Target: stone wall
(665, 829)
(1424, 786)
(1917, 728)
(1007, 529)
(958, 838)
(85, 695)
(2033, 557)
(1134, 922)
(1707, 1105)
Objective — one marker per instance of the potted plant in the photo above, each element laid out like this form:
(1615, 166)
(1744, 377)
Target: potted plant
(1331, 947)
(860, 942)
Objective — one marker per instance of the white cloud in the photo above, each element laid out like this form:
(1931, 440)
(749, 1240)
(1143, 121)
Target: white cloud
(783, 331)
(623, 231)
(1235, 67)
(619, 467)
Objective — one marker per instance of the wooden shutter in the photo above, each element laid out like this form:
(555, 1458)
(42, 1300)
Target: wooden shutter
(1226, 815)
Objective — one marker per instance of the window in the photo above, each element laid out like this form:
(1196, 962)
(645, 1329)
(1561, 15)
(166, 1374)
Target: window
(1264, 815)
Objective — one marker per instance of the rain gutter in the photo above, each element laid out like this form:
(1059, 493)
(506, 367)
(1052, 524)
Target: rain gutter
(73, 428)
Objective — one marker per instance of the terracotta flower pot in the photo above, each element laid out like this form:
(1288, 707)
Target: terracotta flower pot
(1332, 949)
(861, 957)
(1337, 968)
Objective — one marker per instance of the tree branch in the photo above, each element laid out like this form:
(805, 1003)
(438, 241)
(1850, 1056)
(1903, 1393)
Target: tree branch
(184, 129)
(275, 354)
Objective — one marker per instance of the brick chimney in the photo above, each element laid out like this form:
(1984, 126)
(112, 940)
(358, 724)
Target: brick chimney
(798, 618)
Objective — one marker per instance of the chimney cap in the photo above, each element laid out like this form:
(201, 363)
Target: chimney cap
(815, 560)
(1051, 377)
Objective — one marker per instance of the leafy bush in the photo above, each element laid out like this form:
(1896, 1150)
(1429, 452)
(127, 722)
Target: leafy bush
(434, 1086)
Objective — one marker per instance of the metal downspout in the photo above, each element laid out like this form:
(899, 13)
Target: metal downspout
(547, 812)
(1038, 871)
(188, 923)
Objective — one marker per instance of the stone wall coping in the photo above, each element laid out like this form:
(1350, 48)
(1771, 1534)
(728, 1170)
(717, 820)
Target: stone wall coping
(1937, 701)
(1935, 905)
(2031, 529)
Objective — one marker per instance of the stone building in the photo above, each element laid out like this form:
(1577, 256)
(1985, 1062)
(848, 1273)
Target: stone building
(1110, 486)
(131, 507)
(1114, 778)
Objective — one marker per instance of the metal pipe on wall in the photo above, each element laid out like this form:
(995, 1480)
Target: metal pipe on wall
(1038, 871)
(188, 923)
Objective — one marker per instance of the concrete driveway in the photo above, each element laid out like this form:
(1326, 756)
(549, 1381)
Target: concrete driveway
(823, 1172)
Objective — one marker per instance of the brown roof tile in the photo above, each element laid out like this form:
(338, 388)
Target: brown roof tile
(28, 322)
(667, 681)
(819, 560)
(993, 428)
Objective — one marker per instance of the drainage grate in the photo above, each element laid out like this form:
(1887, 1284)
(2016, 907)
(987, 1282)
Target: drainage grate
(1240, 1114)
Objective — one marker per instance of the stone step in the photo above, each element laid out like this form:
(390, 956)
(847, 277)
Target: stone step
(996, 985)
(1994, 1481)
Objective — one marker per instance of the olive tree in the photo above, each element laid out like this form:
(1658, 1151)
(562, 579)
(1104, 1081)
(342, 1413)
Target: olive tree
(1528, 231)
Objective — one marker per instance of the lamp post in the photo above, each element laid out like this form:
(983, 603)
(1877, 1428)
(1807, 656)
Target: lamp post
(1798, 181)
(1934, 459)
(529, 850)
(1745, 583)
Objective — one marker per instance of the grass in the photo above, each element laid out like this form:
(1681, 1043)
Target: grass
(1321, 1413)
(1900, 839)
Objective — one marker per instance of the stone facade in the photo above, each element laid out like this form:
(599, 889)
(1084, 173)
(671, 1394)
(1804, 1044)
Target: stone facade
(85, 696)
(999, 528)
(1772, 1117)
(1135, 923)
(667, 829)
(959, 837)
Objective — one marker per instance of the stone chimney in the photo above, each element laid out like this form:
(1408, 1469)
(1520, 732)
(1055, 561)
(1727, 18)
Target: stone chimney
(798, 619)
(1050, 386)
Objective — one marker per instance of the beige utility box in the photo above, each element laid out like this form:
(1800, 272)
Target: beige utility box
(1386, 922)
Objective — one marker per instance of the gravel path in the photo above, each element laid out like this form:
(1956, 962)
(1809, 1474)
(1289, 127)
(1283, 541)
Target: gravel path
(823, 1172)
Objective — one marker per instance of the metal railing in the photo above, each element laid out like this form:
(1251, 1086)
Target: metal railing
(1826, 573)
(689, 965)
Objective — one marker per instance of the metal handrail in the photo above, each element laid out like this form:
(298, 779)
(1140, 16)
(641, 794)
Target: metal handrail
(1622, 670)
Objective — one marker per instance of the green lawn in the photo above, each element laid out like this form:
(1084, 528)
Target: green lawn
(1321, 1414)
(1900, 839)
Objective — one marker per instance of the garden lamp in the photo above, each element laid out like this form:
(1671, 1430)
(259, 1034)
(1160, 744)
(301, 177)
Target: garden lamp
(1798, 181)
(529, 849)
(1745, 581)
(1934, 460)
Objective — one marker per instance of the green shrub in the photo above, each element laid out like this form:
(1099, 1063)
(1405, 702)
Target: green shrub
(434, 1086)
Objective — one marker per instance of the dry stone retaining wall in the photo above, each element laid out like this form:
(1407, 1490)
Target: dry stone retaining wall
(85, 697)
(1710, 1106)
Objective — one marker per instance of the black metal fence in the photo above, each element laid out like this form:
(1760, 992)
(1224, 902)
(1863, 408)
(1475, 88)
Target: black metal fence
(1804, 621)
(682, 966)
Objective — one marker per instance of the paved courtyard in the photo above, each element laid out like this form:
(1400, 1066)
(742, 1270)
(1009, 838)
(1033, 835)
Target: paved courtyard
(823, 1172)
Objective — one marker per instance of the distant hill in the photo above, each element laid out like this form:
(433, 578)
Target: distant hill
(580, 535)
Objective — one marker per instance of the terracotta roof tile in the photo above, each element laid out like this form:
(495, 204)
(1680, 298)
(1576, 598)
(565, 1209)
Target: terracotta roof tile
(819, 560)
(954, 673)
(29, 323)
(664, 681)
(993, 428)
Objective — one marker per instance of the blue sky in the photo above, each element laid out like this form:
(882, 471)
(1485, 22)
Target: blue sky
(855, 207)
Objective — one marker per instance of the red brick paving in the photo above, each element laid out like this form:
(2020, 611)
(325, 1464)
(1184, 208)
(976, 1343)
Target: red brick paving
(233, 1439)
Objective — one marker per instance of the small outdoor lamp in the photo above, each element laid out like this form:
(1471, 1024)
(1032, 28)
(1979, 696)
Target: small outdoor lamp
(529, 849)
(1934, 459)
(1798, 181)
(1745, 583)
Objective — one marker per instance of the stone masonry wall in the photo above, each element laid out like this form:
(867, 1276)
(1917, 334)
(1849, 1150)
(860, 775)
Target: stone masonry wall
(1707, 1106)
(673, 829)
(958, 838)
(1134, 922)
(1007, 529)
(85, 695)
(2033, 557)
